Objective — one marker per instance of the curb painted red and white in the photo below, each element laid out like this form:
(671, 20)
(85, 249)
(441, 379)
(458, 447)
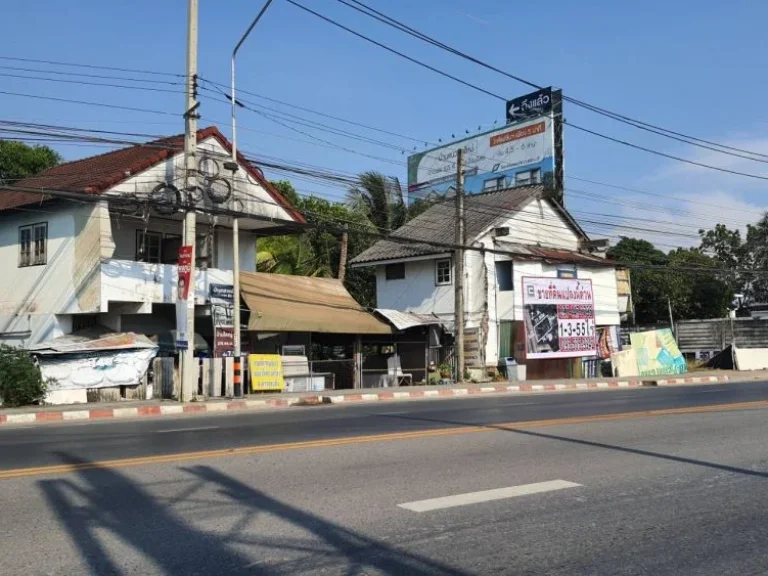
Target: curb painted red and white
(692, 380)
(97, 413)
(453, 392)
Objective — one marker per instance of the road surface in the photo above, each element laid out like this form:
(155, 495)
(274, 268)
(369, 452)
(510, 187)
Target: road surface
(645, 481)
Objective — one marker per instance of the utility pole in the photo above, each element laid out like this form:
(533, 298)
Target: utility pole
(343, 255)
(232, 165)
(671, 320)
(188, 366)
(458, 265)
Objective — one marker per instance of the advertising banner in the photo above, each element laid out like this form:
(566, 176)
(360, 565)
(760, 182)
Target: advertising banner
(266, 372)
(221, 293)
(559, 317)
(223, 330)
(182, 295)
(657, 353)
(515, 154)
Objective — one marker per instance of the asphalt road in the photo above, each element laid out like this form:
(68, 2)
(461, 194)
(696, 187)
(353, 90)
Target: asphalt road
(669, 493)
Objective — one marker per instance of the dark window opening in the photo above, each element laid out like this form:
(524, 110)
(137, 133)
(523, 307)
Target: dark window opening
(395, 271)
(504, 276)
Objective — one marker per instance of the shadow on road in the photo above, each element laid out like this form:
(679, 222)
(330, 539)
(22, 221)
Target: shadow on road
(638, 451)
(101, 505)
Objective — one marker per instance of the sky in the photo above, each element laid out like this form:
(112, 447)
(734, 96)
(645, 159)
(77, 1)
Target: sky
(685, 65)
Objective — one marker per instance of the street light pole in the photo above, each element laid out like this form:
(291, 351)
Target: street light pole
(232, 166)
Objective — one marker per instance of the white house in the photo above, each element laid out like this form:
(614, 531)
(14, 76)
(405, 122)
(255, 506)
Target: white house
(524, 233)
(69, 264)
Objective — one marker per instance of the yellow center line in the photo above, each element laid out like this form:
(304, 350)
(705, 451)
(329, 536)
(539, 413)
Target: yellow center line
(387, 437)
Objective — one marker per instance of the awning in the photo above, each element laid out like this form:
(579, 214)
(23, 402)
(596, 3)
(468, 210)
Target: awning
(405, 320)
(281, 303)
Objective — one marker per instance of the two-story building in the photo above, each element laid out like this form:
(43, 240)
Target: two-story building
(515, 233)
(108, 258)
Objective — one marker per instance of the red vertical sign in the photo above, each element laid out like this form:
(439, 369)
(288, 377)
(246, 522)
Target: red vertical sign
(182, 295)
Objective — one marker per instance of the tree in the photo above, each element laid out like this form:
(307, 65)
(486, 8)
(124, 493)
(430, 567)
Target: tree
(18, 160)
(648, 285)
(380, 199)
(757, 248)
(287, 191)
(696, 294)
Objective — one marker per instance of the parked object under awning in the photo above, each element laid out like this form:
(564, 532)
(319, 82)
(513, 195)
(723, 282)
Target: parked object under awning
(281, 303)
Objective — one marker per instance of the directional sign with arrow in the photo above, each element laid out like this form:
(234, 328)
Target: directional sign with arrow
(529, 106)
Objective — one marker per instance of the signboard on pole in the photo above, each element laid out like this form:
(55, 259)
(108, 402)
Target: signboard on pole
(223, 330)
(531, 105)
(559, 317)
(182, 296)
(221, 293)
(266, 371)
(513, 155)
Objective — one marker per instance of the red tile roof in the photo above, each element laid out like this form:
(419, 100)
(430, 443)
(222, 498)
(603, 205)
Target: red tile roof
(96, 174)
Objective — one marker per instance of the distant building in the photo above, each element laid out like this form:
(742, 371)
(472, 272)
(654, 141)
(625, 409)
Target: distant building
(539, 238)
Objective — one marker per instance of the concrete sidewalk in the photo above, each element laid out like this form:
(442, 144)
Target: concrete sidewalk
(159, 408)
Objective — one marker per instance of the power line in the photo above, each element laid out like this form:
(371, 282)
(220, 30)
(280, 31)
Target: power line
(91, 66)
(392, 22)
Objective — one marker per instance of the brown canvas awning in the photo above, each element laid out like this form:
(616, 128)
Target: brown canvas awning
(281, 303)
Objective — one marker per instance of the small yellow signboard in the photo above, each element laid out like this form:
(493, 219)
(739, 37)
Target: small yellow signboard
(266, 372)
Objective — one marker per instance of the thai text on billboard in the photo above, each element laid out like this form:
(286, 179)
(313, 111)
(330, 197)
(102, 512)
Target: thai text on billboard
(521, 153)
(559, 318)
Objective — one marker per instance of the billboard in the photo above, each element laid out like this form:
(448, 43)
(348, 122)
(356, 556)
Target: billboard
(531, 105)
(516, 154)
(657, 353)
(559, 318)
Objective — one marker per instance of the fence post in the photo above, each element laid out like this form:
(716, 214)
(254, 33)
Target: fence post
(229, 376)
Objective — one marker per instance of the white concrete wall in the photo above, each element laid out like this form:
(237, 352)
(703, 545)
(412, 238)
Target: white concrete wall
(128, 281)
(538, 223)
(224, 253)
(31, 296)
(255, 200)
(416, 292)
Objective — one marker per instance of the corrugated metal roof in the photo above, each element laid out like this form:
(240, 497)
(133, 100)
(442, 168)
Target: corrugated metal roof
(91, 340)
(437, 224)
(551, 255)
(404, 320)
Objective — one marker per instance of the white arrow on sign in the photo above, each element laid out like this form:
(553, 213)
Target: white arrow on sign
(513, 110)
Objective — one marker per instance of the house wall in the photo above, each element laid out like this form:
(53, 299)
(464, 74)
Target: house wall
(416, 292)
(224, 251)
(255, 200)
(538, 223)
(32, 296)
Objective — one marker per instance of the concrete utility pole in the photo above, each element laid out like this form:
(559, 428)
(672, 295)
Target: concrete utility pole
(188, 366)
(458, 265)
(233, 166)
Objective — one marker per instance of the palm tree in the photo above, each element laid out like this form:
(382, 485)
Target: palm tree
(289, 255)
(380, 199)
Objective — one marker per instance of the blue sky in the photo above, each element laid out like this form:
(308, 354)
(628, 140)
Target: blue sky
(688, 66)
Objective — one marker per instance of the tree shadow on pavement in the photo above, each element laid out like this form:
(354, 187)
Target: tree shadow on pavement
(101, 505)
(591, 443)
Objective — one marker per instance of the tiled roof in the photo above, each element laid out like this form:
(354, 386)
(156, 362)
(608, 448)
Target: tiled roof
(96, 174)
(437, 224)
(551, 255)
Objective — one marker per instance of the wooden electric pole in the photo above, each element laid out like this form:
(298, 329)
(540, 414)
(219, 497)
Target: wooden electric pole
(458, 265)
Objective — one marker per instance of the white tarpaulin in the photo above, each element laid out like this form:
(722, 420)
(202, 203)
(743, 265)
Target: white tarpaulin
(97, 369)
(750, 358)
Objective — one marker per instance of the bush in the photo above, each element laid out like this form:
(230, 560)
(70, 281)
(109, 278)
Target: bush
(21, 382)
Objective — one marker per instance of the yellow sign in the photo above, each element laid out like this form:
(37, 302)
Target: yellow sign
(266, 372)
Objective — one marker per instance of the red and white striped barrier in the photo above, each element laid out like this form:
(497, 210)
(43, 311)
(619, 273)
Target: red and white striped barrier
(692, 380)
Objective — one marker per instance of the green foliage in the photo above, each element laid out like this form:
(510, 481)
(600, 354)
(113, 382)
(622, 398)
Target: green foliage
(21, 383)
(380, 199)
(18, 160)
(692, 293)
(286, 190)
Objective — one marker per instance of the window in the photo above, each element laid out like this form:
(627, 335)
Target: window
(443, 272)
(395, 271)
(566, 272)
(33, 244)
(504, 276)
(148, 246)
(528, 177)
(493, 184)
(169, 248)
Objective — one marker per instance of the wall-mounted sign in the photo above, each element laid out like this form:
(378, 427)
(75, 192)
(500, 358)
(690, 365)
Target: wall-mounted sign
(221, 293)
(223, 341)
(559, 317)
